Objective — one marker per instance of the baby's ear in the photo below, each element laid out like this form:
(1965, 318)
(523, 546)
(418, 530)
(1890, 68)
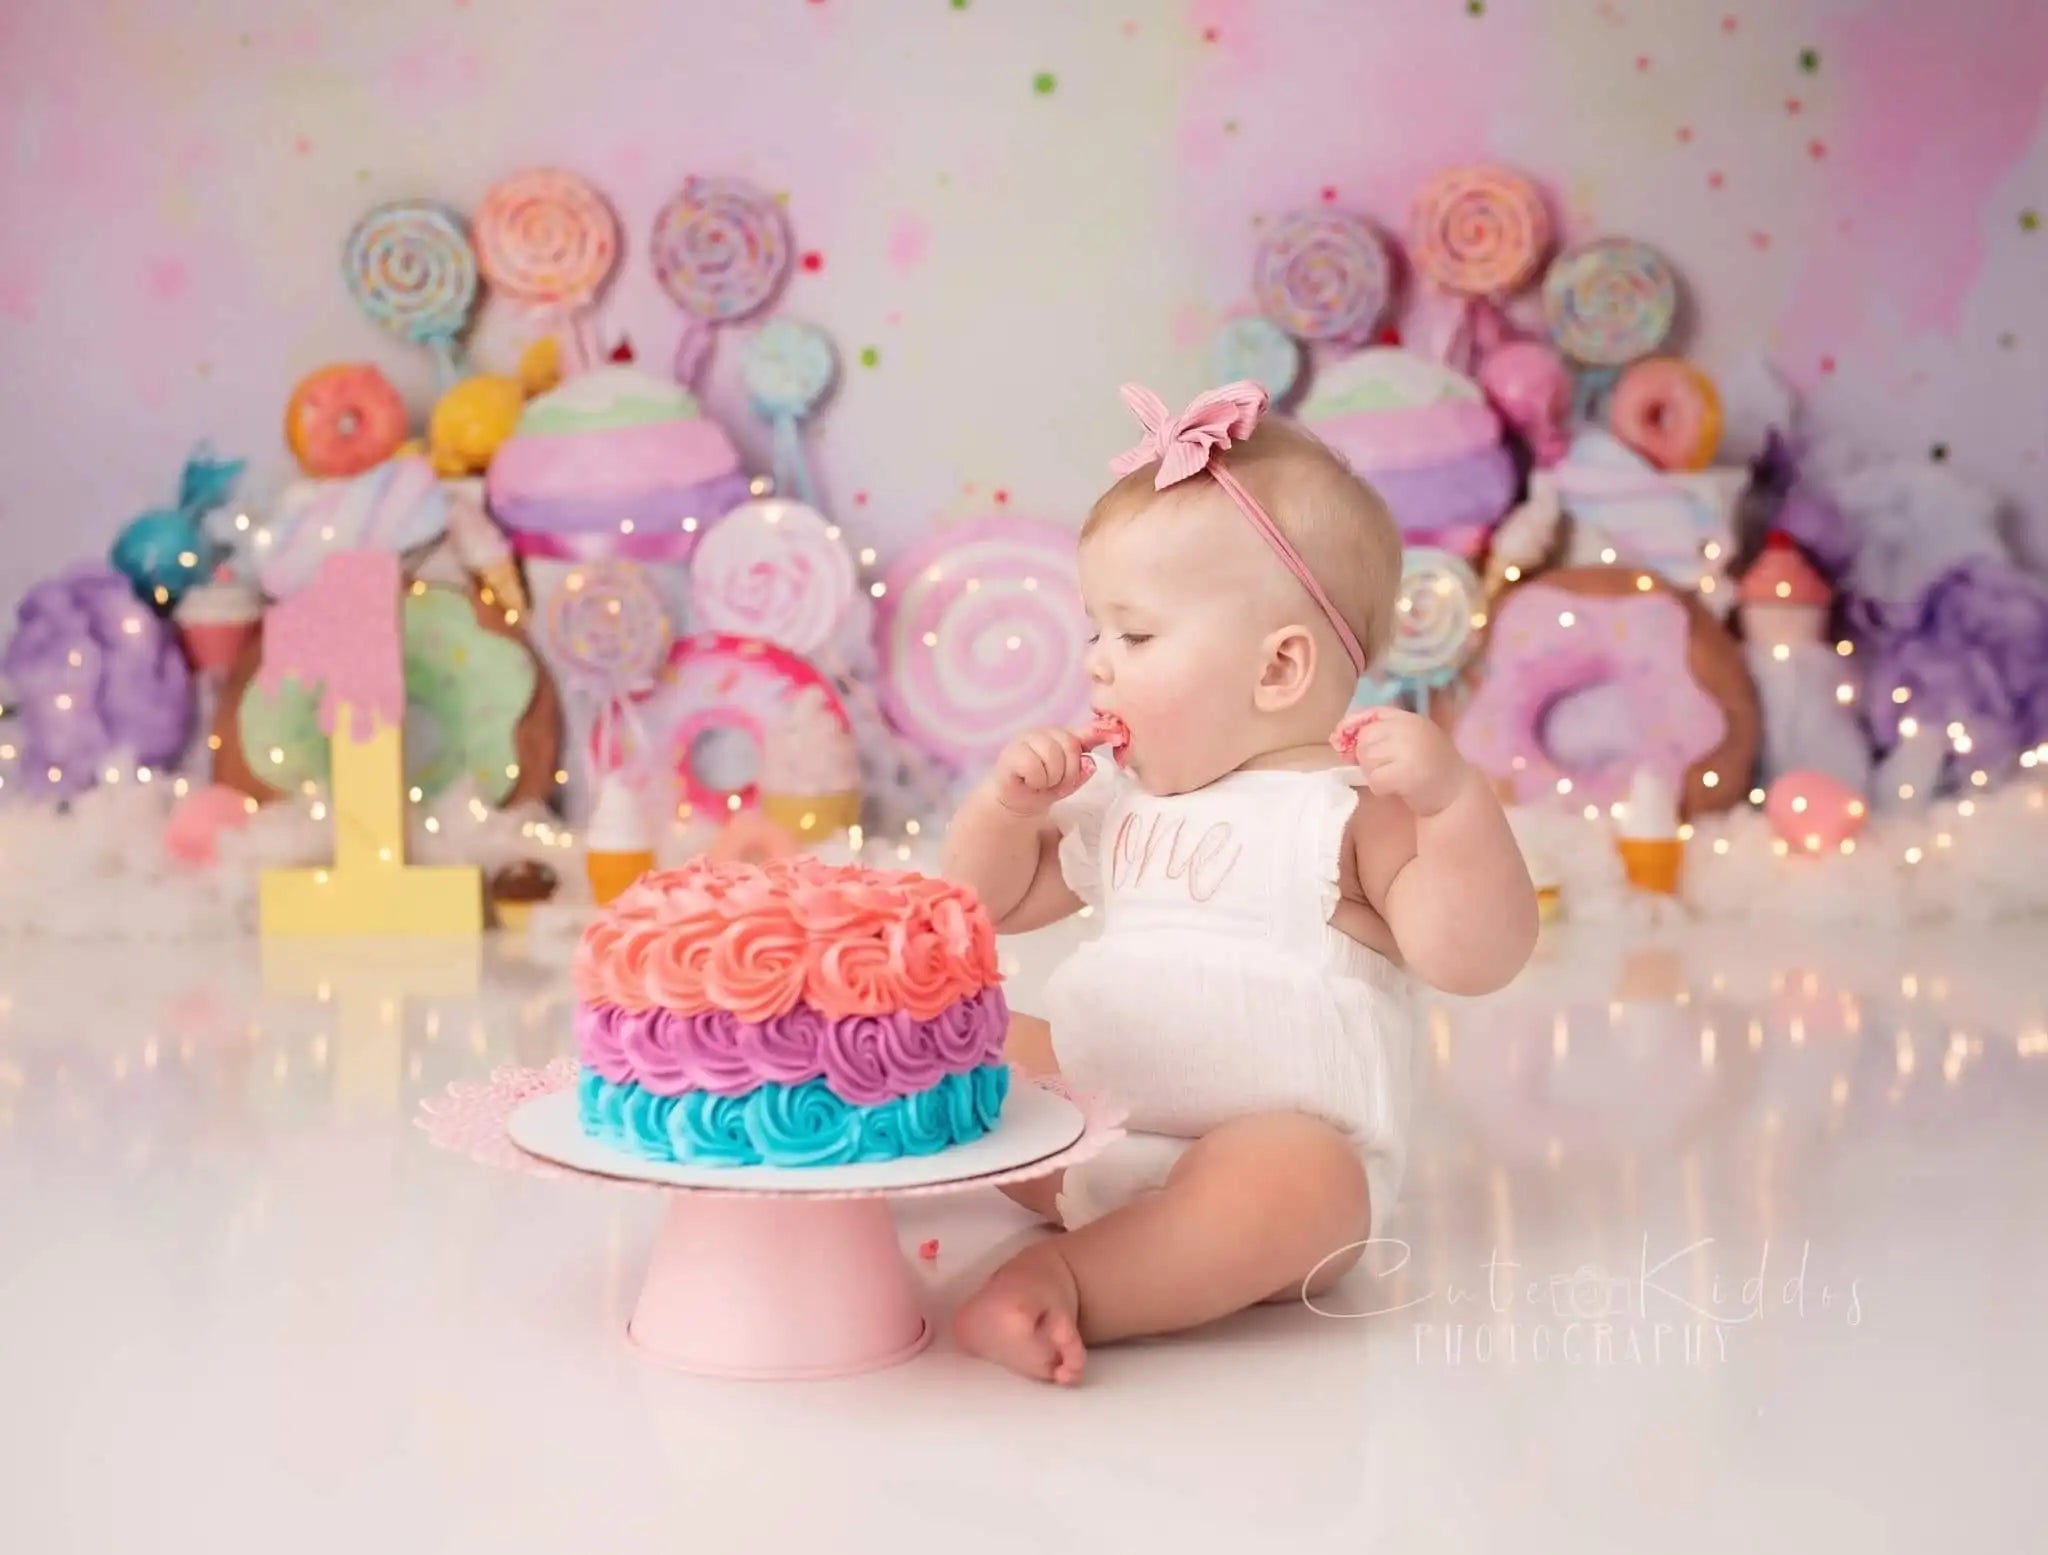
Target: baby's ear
(1287, 667)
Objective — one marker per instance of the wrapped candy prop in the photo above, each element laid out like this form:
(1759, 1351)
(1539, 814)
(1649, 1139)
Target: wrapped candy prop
(1531, 387)
(100, 678)
(166, 550)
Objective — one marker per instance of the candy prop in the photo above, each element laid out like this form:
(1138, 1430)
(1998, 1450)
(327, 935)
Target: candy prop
(1592, 674)
(1814, 813)
(1324, 275)
(473, 686)
(1479, 231)
(409, 266)
(611, 631)
(471, 422)
(342, 420)
(721, 250)
(341, 635)
(96, 677)
(1111, 732)
(216, 621)
(1680, 525)
(980, 632)
(1669, 412)
(788, 368)
(1531, 387)
(166, 551)
(1610, 302)
(548, 240)
(193, 830)
(1258, 349)
(774, 570)
(1435, 630)
(394, 508)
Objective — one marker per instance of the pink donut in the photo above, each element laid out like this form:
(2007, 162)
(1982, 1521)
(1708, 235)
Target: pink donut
(1668, 411)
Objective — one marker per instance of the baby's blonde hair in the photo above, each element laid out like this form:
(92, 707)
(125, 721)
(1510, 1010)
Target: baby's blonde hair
(1336, 521)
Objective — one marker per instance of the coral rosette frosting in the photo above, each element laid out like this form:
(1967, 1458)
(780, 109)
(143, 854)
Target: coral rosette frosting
(780, 1009)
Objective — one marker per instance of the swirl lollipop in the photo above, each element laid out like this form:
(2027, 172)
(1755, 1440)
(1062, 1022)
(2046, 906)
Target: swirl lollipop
(721, 250)
(788, 367)
(548, 240)
(610, 630)
(1323, 275)
(1434, 630)
(775, 570)
(981, 633)
(1610, 302)
(1258, 349)
(409, 266)
(1479, 231)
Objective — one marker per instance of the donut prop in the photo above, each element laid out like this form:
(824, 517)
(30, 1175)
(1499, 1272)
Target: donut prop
(410, 268)
(1479, 231)
(1591, 674)
(1324, 275)
(721, 708)
(721, 249)
(1435, 630)
(981, 632)
(342, 420)
(479, 708)
(1610, 302)
(547, 240)
(1681, 524)
(1669, 412)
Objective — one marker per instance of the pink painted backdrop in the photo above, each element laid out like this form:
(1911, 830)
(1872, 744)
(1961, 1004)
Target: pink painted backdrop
(1007, 206)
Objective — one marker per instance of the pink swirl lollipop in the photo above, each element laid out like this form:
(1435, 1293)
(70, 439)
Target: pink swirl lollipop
(981, 633)
(547, 239)
(1323, 275)
(1479, 231)
(775, 570)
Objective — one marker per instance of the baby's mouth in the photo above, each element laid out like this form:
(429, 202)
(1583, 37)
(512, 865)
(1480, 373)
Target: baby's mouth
(1110, 730)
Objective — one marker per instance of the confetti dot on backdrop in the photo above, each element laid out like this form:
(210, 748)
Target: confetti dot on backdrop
(1817, 149)
(1230, 126)
(1044, 82)
(1827, 364)
(1475, 7)
(1212, 34)
(869, 356)
(960, 5)
(2030, 220)
(1642, 62)
(1809, 60)
(1685, 134)
(860, 499)
(1716, 180)
(2008, 340)
(1329, 194)
(1793, 105)
(1938, 453)
(1729, 24)
(813, 261)
(302, 145)
(1760, 240)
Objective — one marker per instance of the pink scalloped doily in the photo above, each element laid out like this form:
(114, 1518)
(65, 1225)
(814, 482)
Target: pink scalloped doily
(470, 1120)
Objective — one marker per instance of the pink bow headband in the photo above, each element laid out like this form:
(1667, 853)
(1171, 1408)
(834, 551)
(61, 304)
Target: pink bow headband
(1187, 444)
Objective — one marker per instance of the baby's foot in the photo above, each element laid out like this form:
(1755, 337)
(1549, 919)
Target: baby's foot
(1027, 1318)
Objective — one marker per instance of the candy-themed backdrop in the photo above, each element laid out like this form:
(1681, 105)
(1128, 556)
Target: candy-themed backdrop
(1002, 208)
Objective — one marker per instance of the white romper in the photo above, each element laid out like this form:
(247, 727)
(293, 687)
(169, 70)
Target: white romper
(1217, 987)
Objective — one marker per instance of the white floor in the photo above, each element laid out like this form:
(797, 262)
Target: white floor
(244, 1306)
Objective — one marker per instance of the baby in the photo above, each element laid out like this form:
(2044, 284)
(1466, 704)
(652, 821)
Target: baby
(1248, 997)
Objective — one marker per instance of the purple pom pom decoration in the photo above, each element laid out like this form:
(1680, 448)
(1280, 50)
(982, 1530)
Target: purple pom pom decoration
(100, 678)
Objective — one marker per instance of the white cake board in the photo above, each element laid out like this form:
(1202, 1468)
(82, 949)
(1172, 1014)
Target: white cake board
(1035, 1124)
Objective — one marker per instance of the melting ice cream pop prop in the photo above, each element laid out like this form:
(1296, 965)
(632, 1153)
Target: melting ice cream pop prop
(1646, 834)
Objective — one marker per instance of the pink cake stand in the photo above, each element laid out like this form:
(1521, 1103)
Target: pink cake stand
(786, 1274)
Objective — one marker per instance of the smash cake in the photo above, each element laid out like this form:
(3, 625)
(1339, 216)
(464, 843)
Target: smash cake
(1426, 439)
(614, 462)
(793, 1013)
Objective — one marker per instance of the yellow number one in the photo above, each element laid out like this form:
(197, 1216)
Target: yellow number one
(341, 633)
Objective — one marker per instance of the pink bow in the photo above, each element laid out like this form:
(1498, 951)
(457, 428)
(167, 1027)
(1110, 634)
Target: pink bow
(1184, 444)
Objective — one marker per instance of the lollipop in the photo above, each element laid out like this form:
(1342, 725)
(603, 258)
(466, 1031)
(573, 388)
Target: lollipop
(1323, 275)
(1434, 630)
(548, 240)
(1479, 231)
(611, 631)
(981, 633)
(1258, 349)
(1610, 302)
(721, 249)
(409, 266)
(775, 570)
(788, 368)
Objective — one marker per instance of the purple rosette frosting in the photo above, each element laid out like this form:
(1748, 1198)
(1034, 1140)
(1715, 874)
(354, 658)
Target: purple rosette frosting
(789, 1047)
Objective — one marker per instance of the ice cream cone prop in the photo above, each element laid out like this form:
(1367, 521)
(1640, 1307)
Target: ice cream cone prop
(341, 633)
(617, 847)
(1646, 834)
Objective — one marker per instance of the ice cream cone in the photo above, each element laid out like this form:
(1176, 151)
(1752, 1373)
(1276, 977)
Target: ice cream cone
(611, 873)
(618, 848)
(1653, 864)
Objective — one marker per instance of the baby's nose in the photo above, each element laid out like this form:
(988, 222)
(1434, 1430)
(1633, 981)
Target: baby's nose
(1096, 663)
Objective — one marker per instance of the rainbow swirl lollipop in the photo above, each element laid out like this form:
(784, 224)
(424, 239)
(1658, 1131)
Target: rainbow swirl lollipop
(1479, 231)
(721, 250)
(1610, 302)
(1323, 275)
(1435, 629)
(410, 268)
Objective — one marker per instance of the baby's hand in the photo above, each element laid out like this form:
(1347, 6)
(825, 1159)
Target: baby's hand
(1405, 757)
(1039, 769)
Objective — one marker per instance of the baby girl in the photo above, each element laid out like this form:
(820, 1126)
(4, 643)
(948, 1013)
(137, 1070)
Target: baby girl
(1267, 890)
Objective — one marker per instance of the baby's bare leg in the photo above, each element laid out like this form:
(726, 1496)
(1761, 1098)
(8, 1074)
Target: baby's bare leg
(1029, 1047)
(1253, 1209)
